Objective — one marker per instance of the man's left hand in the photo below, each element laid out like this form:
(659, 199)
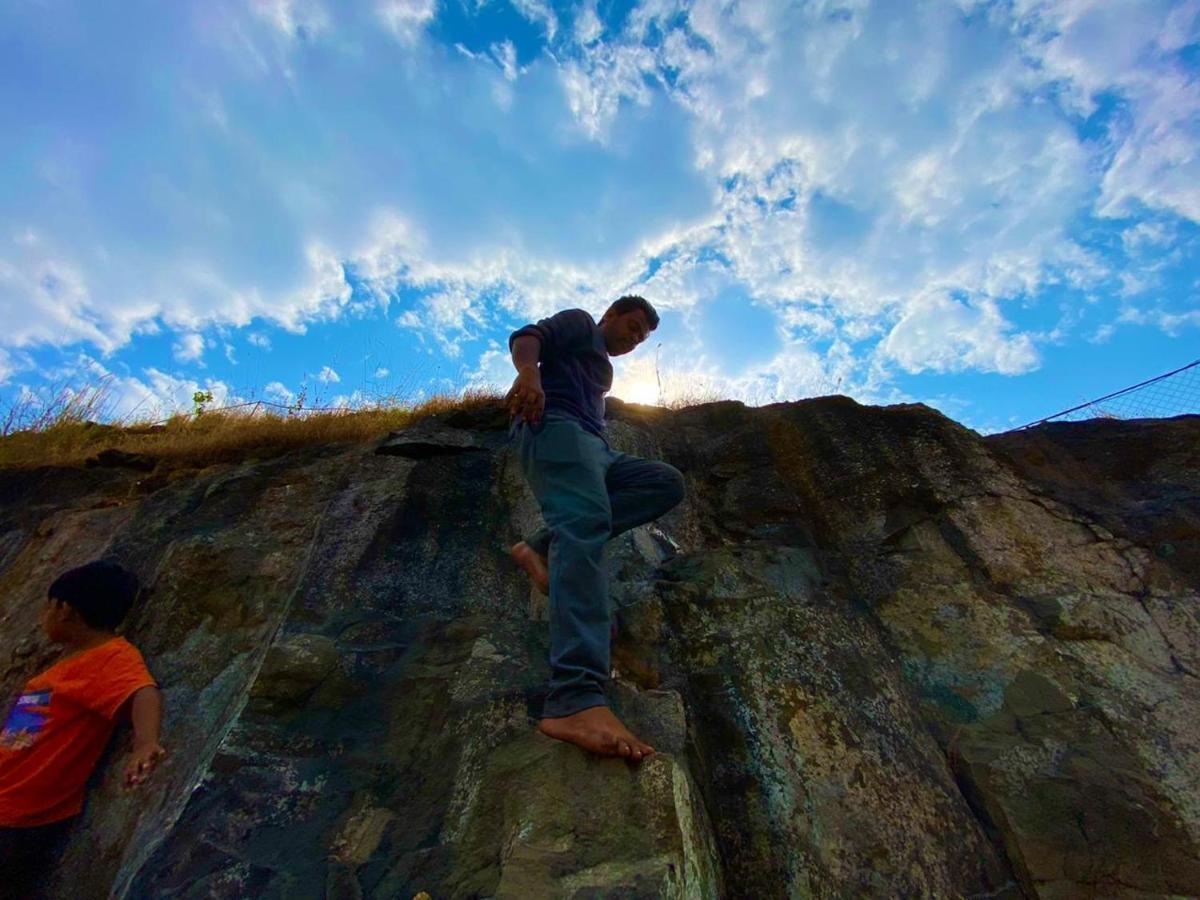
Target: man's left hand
(141, 763)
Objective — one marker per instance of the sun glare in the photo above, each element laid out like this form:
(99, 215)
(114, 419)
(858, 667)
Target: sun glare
(638, 391)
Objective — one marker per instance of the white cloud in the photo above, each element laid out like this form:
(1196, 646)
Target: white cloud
(1135, 283)
(354, 400)
(940, 333)
(505, 54)
(45, 300)
(539, 13)
(588, 27)
(382, 372)
(601, 79)
(1128, 48)
(174, 393)
(325, 295)
(328, 376)
(1148, 235)
(407, 19)
(849, 188)
(808, 322)
(258, 339)
(189, 348)
(494, 371)
(452, 314)
(278, 392)
(1174, 323)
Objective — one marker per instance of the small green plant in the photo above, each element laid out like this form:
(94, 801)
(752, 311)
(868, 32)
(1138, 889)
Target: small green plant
(298, 406)
(200, 398)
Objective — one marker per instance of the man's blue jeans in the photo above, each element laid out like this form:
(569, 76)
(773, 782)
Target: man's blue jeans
(589, 493)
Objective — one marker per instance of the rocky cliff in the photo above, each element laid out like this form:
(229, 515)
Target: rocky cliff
(880, 656)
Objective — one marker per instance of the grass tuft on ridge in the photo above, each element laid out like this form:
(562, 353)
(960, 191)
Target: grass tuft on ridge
(67, 435)
(65, 426)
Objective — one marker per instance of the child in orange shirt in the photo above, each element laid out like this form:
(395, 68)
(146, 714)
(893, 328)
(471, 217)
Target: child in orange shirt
(57, 729)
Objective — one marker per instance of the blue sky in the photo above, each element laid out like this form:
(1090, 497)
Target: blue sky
(990, 207)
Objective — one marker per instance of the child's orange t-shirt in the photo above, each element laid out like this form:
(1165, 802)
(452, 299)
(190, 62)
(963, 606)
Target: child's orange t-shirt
(54, 734)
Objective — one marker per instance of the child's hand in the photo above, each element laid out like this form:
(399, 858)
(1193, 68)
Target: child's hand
(141, 763)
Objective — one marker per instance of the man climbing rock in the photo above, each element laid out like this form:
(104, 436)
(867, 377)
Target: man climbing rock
(589, 493)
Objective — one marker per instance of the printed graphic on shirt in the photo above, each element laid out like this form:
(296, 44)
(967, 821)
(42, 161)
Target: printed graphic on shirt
(26, 720)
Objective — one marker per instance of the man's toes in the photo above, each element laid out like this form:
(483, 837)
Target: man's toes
(608, 744)
(624, 749)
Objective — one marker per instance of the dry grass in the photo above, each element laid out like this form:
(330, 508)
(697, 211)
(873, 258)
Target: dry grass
(64, 430)
(679, 393)
(698, 397)
(63, 433)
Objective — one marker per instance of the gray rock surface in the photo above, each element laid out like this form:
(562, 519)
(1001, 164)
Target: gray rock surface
(879, 656)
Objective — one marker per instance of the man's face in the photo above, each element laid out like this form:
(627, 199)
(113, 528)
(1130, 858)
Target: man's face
(54, 620)
(622, 333)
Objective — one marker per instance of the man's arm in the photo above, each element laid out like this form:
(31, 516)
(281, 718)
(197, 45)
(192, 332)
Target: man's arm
(563, 332)
(526, 395)
(145, 710)
(525, 351)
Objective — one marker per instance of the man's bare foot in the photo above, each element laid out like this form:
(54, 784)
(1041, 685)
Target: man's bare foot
(598, 730)
(534, 565)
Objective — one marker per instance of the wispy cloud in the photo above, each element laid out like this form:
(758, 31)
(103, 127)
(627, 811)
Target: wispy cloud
(540, 13)
(189, 348)
(406, 19)
(278, 392)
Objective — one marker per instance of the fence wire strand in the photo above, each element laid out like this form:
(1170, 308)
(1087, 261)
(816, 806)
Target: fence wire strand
(1174, 393)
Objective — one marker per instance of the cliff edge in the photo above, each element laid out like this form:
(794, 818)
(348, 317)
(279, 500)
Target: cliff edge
(880, 655)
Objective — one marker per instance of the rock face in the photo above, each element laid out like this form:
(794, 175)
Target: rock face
(879, 656)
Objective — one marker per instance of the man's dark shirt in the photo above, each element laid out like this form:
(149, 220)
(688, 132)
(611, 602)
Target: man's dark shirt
(576, 373)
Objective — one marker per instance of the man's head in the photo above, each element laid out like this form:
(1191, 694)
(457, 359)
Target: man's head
(94, 597)
(626, 323)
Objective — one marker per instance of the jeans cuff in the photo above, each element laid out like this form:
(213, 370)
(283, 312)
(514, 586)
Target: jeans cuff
(539, 542)
(556, 707)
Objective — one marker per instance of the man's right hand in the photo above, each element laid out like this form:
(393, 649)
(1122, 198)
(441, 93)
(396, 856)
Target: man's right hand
(526, 396)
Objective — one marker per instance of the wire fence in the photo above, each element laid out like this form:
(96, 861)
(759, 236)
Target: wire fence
(1173, 393)
(254, 407)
